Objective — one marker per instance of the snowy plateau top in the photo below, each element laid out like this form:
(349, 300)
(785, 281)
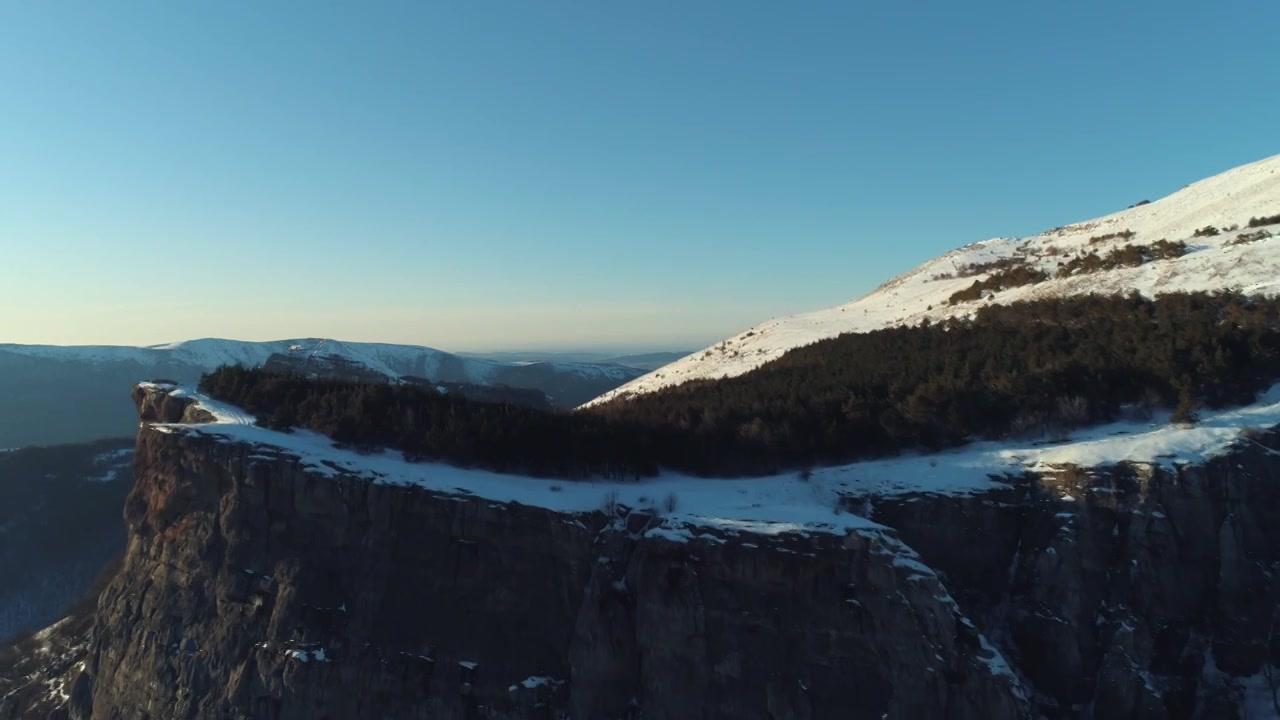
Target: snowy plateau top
(786, 504)
(1211, 263)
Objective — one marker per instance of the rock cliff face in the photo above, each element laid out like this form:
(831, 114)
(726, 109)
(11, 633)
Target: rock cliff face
(1124, 592)
(256, 587)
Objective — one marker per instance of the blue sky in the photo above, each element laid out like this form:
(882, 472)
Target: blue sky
(494, 175)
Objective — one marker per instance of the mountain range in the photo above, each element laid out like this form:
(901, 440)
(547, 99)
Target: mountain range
(34, 378)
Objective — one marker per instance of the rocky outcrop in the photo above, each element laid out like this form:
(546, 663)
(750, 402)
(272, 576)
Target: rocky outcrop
(255, 587)
(1132, 591)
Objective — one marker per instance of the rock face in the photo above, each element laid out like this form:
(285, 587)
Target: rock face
(254, 588)
(1124, 592)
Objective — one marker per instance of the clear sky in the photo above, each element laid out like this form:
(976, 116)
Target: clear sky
(540, 174)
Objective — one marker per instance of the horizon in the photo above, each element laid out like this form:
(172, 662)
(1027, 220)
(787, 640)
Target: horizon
(510, 178)
(604, 352)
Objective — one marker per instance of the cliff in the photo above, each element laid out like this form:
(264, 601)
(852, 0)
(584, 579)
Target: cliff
(264, 580)
(257, 585)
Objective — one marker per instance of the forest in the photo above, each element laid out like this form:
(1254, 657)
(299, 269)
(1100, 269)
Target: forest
(1033, 369)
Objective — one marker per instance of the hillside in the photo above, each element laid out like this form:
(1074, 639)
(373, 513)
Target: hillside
(1225, 202)
(59, 524)
(34, 377)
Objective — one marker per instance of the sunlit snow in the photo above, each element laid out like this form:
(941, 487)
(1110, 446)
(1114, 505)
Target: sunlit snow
(1211, 263)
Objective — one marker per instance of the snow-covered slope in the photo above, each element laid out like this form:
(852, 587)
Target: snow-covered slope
(1213, 262)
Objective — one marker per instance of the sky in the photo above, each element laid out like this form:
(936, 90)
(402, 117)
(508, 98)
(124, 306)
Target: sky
(490, 175)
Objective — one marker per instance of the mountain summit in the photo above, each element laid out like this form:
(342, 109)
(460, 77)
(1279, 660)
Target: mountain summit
(1210, 235)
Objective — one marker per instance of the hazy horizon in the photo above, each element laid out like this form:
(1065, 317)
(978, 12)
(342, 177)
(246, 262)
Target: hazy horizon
(602, 351)
(550, 176)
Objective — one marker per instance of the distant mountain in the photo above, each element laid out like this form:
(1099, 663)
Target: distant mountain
(1227, 222)
(336, 367)
(643, 361)
(84, 383)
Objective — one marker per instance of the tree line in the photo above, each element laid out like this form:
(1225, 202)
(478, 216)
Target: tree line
(1033, 368)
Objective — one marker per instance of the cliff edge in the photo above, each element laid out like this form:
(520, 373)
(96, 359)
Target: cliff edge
(262, 581)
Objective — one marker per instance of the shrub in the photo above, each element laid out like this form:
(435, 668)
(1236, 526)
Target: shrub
(1126, 256)
(1122, 235)
(1264, 221)
(1073, 411)
(997, 265)
(1206, 231)
(1255, 236)
(1002, 280)
(669, 503)
(609, 506)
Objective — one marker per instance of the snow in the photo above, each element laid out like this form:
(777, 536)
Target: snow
(768, 506)
(388, 359)
(994, 661)
(1257, 700)
(764, 506)
(780, 506)
(304, 655)
(111, 463)
(1231, 198)
(534, 682)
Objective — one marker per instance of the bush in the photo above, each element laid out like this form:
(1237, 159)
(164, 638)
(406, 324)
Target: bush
(1122, 235)
(669, 503)
(1264, 221)
(609, 506)
(1255, 236)
(997, 265)
(1206, 231)
(1003, 280)
(1127, 256)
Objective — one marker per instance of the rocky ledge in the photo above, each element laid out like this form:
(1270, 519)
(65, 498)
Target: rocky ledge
(256, 586)
(262, 583)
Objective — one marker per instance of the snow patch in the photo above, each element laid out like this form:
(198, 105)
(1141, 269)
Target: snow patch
(534, 682)
(303, 655)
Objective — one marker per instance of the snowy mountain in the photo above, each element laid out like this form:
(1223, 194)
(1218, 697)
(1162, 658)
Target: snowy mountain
(57, 394)
(391, 360)
(1212, 217)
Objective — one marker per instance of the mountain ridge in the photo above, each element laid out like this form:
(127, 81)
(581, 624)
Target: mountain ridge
(89, 377)
(1211, 261)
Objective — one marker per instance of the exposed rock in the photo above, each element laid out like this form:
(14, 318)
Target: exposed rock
(256, 587)
(253, 587)
(1112, 588)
